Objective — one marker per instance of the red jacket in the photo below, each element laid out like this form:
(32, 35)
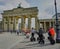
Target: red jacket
(52, 31)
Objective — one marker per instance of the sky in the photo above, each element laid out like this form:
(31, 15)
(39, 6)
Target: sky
(46, 7)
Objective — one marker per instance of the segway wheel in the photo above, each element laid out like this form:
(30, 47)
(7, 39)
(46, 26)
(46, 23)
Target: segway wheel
(37, 38)
(34, 39)
(31, 39)
(43, 42)
(52, 42)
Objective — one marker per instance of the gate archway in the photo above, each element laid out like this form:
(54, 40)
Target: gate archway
(11, 17)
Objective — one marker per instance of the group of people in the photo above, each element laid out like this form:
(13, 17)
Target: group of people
(40, 38)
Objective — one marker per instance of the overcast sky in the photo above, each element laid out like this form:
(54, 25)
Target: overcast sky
(46, 7)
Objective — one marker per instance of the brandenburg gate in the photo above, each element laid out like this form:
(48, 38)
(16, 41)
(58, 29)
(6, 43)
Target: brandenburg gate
(11, 17)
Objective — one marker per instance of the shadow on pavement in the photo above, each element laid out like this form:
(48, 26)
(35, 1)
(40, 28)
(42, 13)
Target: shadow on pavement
(38, 45)
(34, 45)
(25, 42)
(21, 48)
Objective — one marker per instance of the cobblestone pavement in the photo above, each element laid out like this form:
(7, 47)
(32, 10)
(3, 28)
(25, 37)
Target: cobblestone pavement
(26, 44)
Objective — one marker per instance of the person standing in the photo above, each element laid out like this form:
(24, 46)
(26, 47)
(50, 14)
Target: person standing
(41, 31)
(41, 37)
(33, 31)
(52, 32)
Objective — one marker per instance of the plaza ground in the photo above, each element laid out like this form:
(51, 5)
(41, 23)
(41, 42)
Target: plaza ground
(26, 44)
(14, 41)
(8, 40)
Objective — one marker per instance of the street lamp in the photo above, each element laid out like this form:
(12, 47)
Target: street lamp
(57, 25)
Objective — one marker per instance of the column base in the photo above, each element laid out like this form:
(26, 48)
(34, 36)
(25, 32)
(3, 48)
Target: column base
(57, 40)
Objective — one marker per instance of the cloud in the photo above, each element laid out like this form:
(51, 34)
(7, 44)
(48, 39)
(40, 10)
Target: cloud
(44, 15)
(50, 10)
(47, 9)
(9, 4)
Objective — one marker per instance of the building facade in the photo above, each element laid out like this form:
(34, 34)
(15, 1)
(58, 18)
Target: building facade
(10, 19)
(47, 23)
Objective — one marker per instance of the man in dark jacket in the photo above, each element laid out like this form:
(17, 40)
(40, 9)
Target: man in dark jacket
(41, 31)
(41, 37)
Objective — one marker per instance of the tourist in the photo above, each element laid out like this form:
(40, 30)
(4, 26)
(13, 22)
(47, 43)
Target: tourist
(41, 36)
(33, 31)
(51, 33)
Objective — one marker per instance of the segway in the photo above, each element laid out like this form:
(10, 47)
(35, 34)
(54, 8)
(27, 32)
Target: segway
(52, 41)
(40, 39)
(32, 37)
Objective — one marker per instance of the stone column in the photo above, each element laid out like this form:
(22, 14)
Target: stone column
(19, 25)
(8, 23)
(44, 25)
(38, 24)
(50, 24)
(14, 23)
(3, 23)
(53, 24)
(36, 27)
(29, 22)
(15, 20)
(22, 22)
